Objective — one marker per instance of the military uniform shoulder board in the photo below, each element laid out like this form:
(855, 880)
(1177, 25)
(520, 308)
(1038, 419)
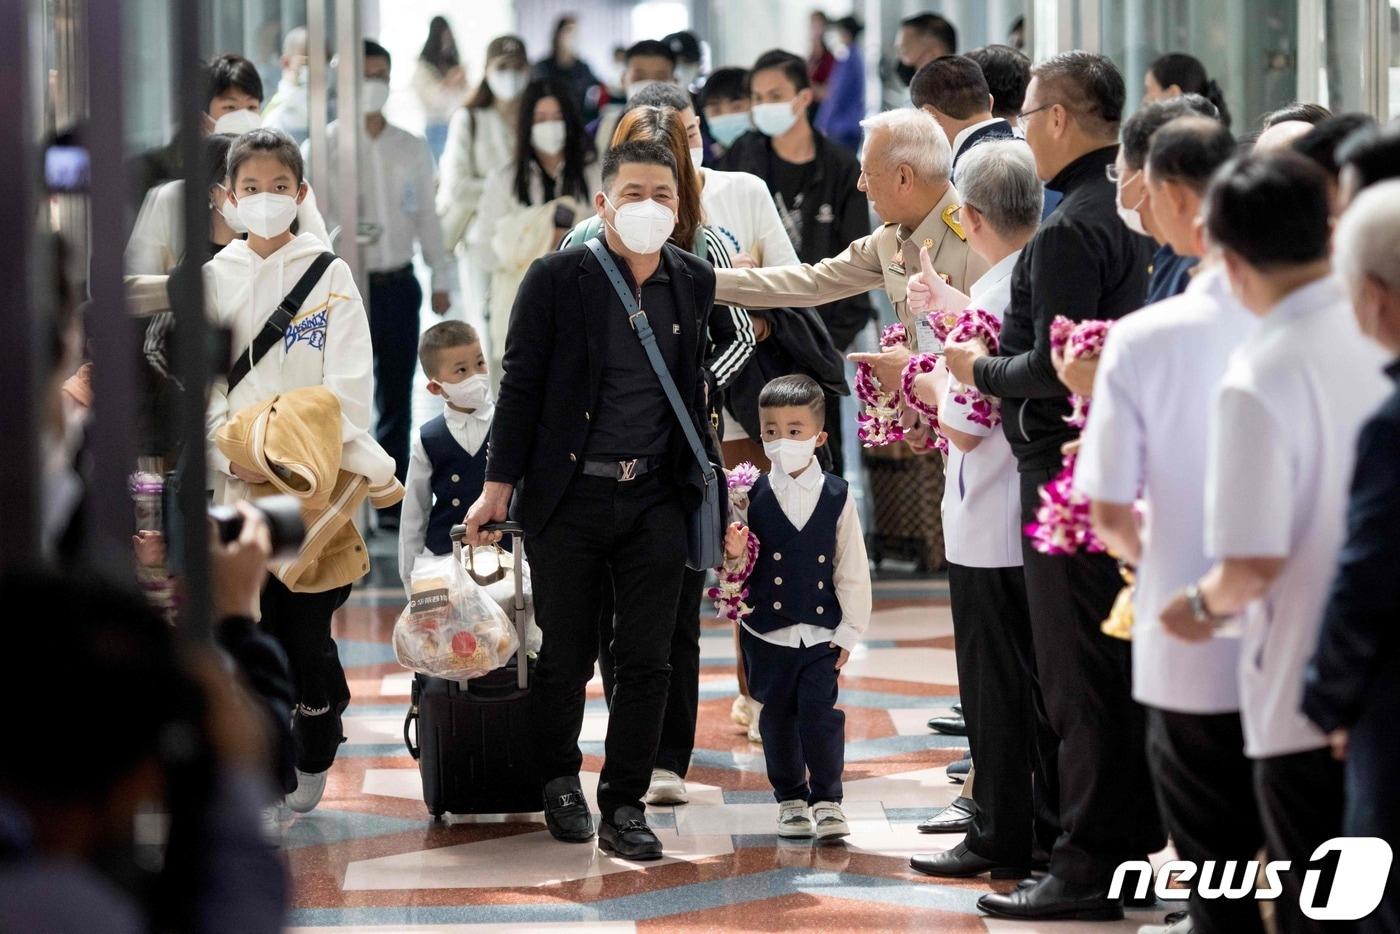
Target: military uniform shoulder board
(952, 222)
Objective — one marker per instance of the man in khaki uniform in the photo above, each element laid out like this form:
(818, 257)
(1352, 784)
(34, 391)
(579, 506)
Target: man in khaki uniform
(904, 172)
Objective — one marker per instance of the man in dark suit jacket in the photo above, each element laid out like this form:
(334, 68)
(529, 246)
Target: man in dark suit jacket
(602, 477)
(953, 91)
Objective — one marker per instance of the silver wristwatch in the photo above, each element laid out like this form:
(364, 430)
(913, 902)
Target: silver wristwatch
(1199, 610)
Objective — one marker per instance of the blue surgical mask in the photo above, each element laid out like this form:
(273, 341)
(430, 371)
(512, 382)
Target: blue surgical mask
(726, 128)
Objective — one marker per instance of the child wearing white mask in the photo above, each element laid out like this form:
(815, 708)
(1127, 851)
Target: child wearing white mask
(447, 464)
(326, 343)
(810, 595)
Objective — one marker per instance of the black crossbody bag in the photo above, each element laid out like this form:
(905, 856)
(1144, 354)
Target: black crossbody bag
(281, 319)
(705, 526)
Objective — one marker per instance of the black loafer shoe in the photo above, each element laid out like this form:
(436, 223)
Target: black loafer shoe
(955, 818)
(948, 726)
(1052, 899)
(960, 862)
(566, 811)
(957, 771)
(627, 836)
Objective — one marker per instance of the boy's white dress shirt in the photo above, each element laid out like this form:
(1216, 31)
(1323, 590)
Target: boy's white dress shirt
(850, 571)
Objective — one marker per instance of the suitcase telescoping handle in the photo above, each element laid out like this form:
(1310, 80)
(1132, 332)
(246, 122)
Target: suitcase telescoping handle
(513, 530)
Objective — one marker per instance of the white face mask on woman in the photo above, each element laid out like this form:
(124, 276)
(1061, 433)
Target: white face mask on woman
(229, 210)
(238, 122)
(549, 136)
(790, 455)
(644, 226)
(266, 214)
(472, 393)
(506, 83)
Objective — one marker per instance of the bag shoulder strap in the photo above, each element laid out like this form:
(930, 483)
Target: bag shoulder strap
(590, 229)
(639, 322)
(281, 319)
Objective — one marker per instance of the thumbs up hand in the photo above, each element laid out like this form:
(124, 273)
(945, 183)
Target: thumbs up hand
(920, 287)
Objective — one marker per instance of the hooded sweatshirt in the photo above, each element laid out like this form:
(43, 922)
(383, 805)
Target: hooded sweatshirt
(327, 344)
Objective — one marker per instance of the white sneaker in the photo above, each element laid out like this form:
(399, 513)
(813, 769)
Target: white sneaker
(1181, 927)
(830, 821)
(740, 712)
(793, 820)
(755, 708)
(310, 788)
(666, 788)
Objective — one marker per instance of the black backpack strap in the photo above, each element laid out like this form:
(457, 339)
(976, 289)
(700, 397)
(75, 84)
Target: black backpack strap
(280, 320)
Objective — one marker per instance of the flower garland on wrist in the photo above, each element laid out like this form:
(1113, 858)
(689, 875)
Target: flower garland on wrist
(729, 594)
(1062, 524)
(879, 419)
(917, 366)
(976, 324)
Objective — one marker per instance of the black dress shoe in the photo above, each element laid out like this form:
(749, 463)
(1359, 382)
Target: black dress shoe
(960, 862)
(957, 771)
(627, 836)
(948, 726)
(566, 811)
(955, 818)
(1053, 899)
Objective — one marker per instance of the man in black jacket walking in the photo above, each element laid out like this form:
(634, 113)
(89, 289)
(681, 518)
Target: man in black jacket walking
(1083, 263)
(586, 440)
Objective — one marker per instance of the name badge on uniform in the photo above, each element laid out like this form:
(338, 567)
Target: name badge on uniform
(926, 336)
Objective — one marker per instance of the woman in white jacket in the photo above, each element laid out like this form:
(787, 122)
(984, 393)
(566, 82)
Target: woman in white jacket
(480, 140)
(530, 205)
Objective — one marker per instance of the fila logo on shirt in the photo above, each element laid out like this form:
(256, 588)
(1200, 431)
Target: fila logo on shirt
(1343, 880)
(311, 329)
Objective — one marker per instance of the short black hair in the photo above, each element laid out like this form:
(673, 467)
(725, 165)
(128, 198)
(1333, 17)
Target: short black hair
(1190, 150)
(931, 24)
(1307, 113)
(1321, 142)
(231, 72)
(375, 50)
(684, 45)
(1007, 71)
(660, 94)
(265, 141)
(793, 67)
(1374, 153)
(643, 152)
(1088, 85)
(1188, 74)
(951, 84)
(1271, 209)
(440, 337)
(793, 391)
(849, 23)
(653, 47)
(725, 84)
(1136, 135)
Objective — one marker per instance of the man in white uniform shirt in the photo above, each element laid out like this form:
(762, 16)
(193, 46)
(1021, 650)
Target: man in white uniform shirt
(396, 211)
(1146, 436)
(1282, 445)
(1001, 204)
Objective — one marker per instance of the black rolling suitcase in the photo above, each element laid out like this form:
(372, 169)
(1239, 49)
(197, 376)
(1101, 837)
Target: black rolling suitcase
(473, 742)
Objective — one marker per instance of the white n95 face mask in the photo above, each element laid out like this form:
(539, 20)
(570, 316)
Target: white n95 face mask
(1131, 217)
(474, 392)
(549, 136)
(644, 226)
(374, 94)
(230, 212)
(773, 119)
(790, 455)
(506, 83)
(238, 122)
(266, 214)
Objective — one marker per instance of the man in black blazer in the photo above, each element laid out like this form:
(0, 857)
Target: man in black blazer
(953, 91)
(590, 450)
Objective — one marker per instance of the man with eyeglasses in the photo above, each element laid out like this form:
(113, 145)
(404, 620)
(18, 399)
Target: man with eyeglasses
(1082, 263)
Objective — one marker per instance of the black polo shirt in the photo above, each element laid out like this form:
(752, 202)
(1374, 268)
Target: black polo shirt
(633, 417)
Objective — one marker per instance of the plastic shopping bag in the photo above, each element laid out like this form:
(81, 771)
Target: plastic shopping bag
(493, 568)
(452, 628)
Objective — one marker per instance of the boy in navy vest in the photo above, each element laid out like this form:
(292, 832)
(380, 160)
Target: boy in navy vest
(447, 463)
(810, 593)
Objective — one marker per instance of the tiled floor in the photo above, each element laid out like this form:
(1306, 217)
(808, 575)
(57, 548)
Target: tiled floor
(370, 859)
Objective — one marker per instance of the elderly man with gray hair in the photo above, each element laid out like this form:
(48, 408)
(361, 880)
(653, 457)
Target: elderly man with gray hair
(904, 171)
(981, 527)
(1352, 688)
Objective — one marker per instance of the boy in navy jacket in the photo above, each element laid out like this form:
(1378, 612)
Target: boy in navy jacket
(810, 593)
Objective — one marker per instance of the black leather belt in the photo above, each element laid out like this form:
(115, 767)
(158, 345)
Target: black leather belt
(388, 275)
(621, 471)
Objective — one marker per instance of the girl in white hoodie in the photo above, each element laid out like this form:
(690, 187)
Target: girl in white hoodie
(327, 344)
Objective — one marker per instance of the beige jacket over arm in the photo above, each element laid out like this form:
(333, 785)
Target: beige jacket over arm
(880, 259)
